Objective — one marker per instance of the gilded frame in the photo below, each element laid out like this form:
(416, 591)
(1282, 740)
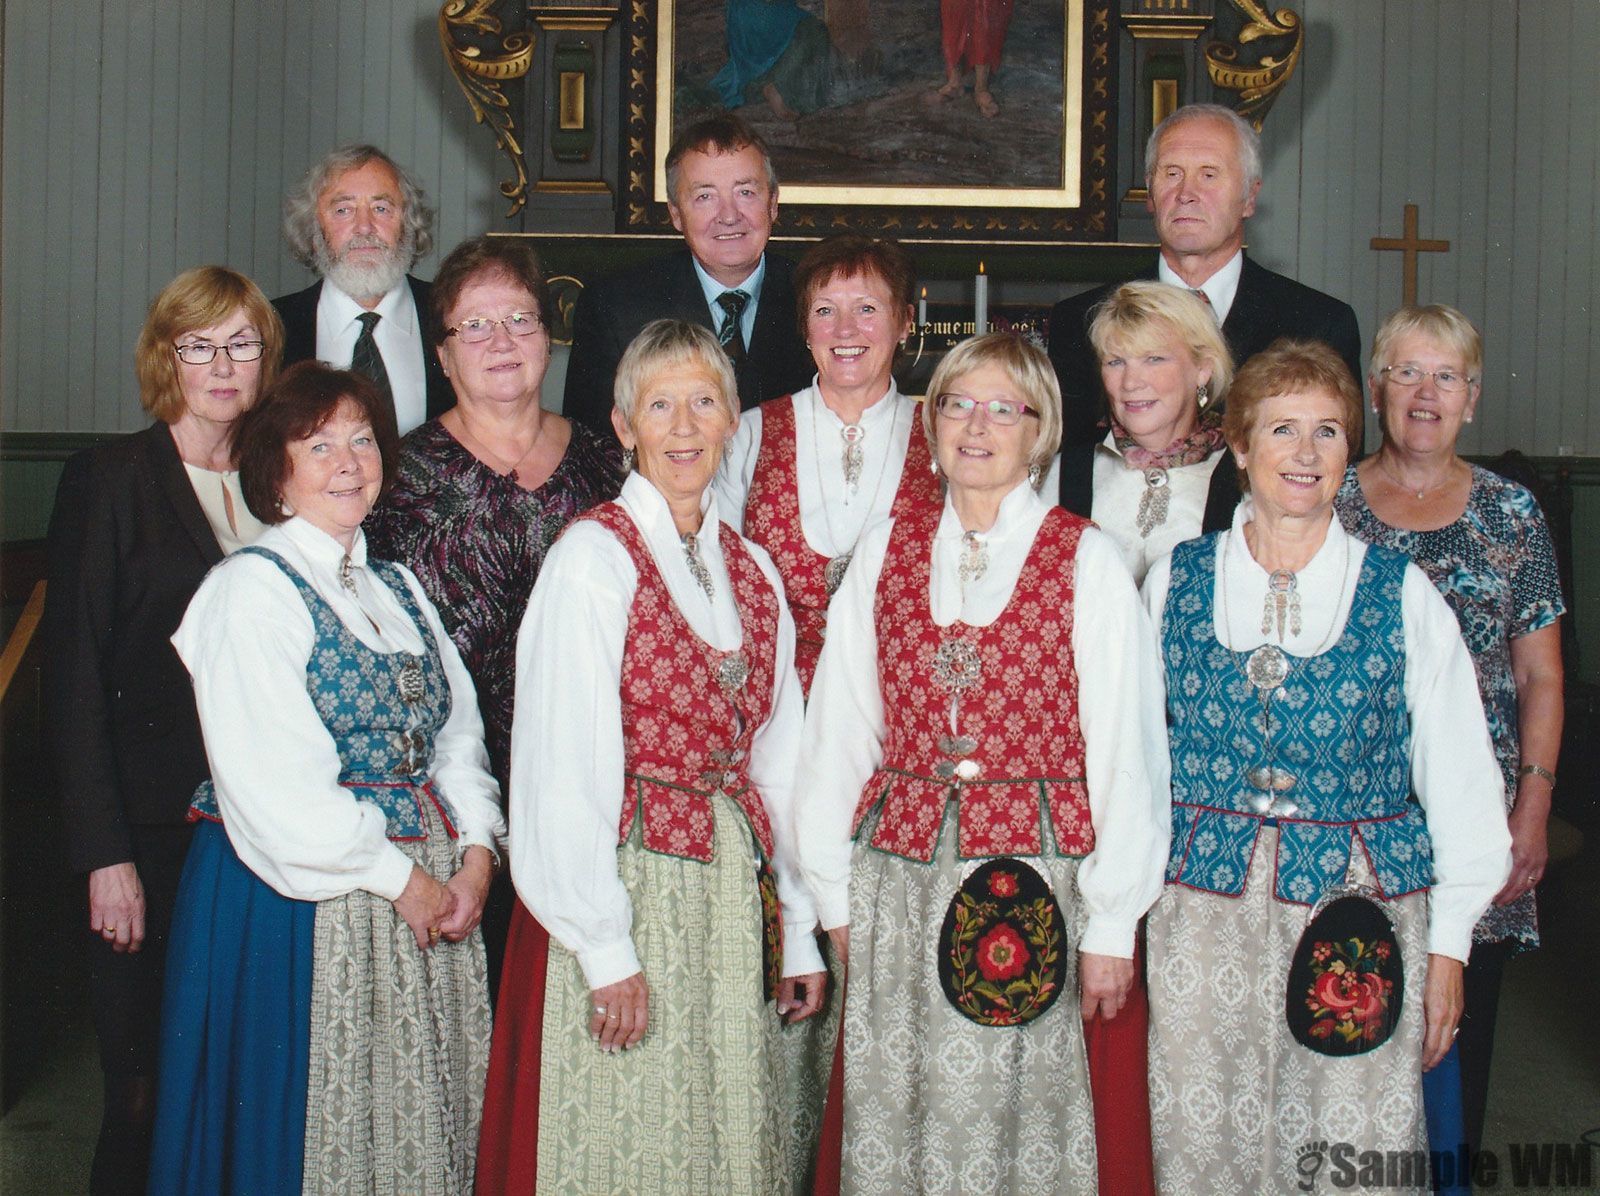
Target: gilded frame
(1078, 210)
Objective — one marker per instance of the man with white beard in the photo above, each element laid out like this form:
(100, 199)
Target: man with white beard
(360, 220)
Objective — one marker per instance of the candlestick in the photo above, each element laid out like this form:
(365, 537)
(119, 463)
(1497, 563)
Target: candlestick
(980, 314)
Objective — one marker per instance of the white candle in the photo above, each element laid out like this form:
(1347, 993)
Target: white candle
(980, 315)
(922, 309)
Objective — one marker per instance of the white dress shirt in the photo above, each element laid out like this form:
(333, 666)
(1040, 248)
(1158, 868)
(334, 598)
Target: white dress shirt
(246, 639)
(399, 337)
(566, 734)
(751, 286)
(1221, 288)
(1453, 770)
(831, 516)
(1120, 710)
(1118, 491)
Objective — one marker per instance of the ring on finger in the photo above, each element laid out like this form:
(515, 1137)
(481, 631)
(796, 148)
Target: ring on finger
(108, 930)
(613, 1016)
(600, 1009)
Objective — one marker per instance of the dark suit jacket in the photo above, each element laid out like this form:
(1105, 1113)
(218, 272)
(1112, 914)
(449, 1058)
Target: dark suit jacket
(1266, 307)
(611, 312)
(128, 546)
(1077, 487)
(299, 315)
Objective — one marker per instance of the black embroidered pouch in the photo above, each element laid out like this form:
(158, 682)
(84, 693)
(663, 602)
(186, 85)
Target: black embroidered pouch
(1346, 981)
(771, 929)
(1003, 948)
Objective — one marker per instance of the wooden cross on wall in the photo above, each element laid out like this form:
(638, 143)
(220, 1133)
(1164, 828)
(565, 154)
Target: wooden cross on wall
(1411, 246)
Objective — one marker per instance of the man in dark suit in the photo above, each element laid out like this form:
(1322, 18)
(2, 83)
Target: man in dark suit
(724, 198)
(360, 221)
(1203, 171)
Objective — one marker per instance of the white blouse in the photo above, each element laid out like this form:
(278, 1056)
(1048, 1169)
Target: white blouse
(1120, 710)
(566, 734)
(1118, 491)
(1453, 770)
(222, 502)
(246, 638)
(831, 517)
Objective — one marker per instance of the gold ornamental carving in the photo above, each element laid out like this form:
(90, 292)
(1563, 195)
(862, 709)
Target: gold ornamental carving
(1259, 84)
(482, 75)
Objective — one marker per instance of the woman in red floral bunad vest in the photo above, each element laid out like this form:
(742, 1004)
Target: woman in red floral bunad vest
(982, 803)
(805, 476)
(653, 750)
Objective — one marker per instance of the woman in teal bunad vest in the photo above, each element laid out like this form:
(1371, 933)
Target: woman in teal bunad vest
(653, 750)
(982, 810)
(1337, 825)
(326, 1020)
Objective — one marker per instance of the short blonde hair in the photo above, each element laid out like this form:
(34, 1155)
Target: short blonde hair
(1284, 367)
(1028, 369)
(665, 344)
(1436, 321)
(199, 298)
(1139, 316)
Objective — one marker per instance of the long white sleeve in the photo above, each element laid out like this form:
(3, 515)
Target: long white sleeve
(246, 639)
(1453, 771)
(567, 755)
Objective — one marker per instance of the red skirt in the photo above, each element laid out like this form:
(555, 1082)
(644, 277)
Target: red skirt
(508, 1144)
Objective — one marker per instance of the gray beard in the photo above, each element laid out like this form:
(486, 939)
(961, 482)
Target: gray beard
(363, 283)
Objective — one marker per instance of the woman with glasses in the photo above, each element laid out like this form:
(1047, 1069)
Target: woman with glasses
(484, 490)
(1483, 542)
(982, 804)
(137, 524)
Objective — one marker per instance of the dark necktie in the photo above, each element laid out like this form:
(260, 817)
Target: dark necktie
(731, 336)
(367, 360)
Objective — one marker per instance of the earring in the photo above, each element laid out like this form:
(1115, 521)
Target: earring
(1202, 394)
(933, 467)
(1035, 475)
(627, 460)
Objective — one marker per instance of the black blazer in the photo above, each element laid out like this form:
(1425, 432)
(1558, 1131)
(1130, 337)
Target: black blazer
(128, 546)
(612, 311)
(1266, 307)
(1077, 487)
(299, 315)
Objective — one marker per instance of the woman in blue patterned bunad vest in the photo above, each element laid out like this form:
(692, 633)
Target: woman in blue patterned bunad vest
(982, 805)
(326, 1021)
(1337, 825)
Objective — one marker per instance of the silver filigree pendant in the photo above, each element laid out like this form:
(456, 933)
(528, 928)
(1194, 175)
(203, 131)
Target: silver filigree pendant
(1154, 502)
(410, 682)
(956, 665)
(854, 458)
(733, 670)
(974, 561)
(697, 567)
(1267, 668)
(833, 575)
(1281, 605)
(346, 579)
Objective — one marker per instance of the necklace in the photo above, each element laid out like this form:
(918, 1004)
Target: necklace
(1449, 475)
(498, 463)
(1153, 503)
(697, 566)
(833, 574)
(1267, 668)
(974, 559)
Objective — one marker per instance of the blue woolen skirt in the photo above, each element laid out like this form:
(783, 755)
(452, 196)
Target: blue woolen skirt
(235, 1031)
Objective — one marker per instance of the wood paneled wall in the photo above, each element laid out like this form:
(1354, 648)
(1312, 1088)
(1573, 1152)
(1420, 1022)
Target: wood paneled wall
(142, 137)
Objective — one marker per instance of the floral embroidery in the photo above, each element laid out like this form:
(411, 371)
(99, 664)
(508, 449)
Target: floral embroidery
(1345, 999)
(771, 929)
(1002, 949)
(1003, 884)
(1345, 982)
(1002, 954)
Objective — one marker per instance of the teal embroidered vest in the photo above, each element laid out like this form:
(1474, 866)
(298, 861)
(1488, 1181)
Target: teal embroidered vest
(1339, 725)
(385, 744)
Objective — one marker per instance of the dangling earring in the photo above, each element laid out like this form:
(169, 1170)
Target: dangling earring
(1035, 475)
(1202, 394)
(627, 460)
(933, 467)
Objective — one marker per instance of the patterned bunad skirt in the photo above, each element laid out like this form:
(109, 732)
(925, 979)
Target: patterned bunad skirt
(698, 1105)
(1239, 1108)
(310, 1046)
(936, 1103)
(806, 1051)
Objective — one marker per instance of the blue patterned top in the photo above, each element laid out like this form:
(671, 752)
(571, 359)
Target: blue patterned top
(1496, 567)
(385, 743)
(1339, 725)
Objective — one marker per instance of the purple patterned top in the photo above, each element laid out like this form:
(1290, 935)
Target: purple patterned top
(476, 541)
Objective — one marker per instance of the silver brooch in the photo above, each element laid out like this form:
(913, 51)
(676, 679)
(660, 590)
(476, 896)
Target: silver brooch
(956, 665)
(833, 575)
(733, 670)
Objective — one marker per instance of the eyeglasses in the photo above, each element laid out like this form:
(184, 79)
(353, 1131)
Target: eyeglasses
(1000, 411)
(480, 328)
(203, 352)
(1448, 380)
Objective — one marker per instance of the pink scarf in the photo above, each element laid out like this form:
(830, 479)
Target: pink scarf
(1189, 450)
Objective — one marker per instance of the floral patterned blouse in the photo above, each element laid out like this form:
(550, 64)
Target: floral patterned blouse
(1496, 567)
(476, 541)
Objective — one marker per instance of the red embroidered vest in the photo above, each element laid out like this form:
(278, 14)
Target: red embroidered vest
(772, 520)
(1016, 754)
(681, 739)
